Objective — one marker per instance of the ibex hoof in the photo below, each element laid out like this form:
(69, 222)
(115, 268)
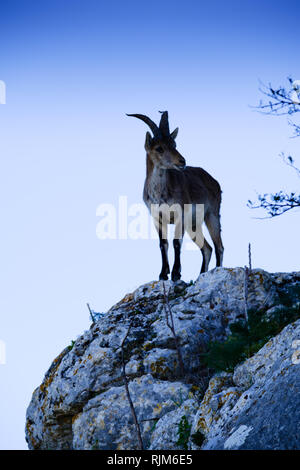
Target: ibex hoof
(163, 277)
(176, 277)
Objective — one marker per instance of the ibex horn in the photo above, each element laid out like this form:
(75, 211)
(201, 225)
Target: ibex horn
(164, 123)
(148, 121)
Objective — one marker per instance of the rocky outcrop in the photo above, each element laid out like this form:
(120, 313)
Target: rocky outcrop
(82, 403)
(258, 406)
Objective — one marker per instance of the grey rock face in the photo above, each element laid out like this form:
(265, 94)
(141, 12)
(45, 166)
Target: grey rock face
(166, 433)
(82, 404)
(259, 405)
(106, 423)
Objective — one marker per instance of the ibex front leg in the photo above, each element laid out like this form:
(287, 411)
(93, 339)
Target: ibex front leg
(177, 242)
(162, 229)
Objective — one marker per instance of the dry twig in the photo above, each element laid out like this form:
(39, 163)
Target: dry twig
(137, 426)
(169, 317)
(91, 313)
(250, 257)
(246, 282)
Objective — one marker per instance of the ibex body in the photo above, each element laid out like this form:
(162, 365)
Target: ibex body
(180, 195)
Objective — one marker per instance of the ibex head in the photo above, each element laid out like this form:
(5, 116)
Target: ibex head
(161, 148)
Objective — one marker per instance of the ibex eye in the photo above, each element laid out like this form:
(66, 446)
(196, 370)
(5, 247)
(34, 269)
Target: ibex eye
(159, 149)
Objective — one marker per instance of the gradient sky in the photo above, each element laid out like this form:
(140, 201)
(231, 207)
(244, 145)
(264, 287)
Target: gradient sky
(72, 70)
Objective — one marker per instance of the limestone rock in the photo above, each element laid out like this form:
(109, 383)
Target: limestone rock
(259, 405)
(81, 403)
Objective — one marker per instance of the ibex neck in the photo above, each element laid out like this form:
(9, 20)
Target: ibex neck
(156, 183)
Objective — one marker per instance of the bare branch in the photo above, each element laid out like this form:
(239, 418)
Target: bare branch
(137, 426)
(250, 257)
(290, 161)
(246, 290)
(91, 313)
(280, 202)
(276, 204)
(278, 101)
(296, 129)
(169, 317)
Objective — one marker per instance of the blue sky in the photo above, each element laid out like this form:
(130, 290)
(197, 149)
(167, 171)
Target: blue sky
(72, 70)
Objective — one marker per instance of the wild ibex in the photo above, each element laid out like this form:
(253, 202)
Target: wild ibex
(181, 195)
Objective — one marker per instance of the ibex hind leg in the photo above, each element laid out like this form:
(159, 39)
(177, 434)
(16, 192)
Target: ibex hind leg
(205, 248)
(176, 271)
(213, 224)
(206, 251)
(177, 242)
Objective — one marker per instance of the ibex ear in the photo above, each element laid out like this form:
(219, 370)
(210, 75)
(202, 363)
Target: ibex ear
(174, 133)
(148, 141)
